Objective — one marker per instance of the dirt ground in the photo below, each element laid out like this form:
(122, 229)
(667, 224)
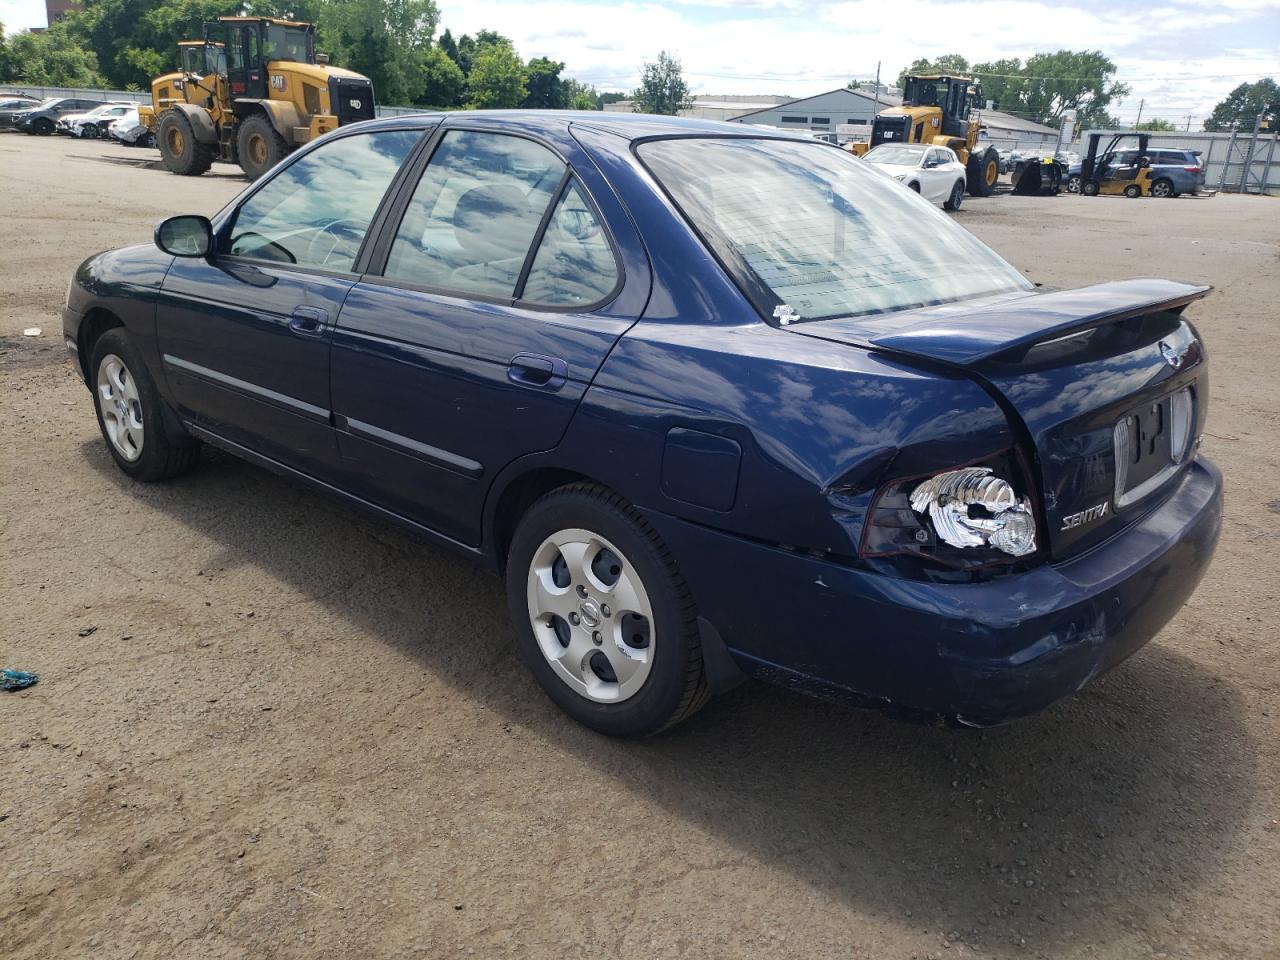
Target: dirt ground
(267, 726)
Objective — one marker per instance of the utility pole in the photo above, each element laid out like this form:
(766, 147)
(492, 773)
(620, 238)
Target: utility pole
(877, 113)
(1141, 104)
(1188, 123)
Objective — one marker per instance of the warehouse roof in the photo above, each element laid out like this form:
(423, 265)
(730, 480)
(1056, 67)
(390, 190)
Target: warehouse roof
(886, 100)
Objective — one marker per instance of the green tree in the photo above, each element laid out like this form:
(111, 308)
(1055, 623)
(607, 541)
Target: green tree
(951, 64)
(6, 62)
(52, 58)
(497, 77)
(384, 40)
(546, 91)
(447, 44)
(136, 39)
(579, 95)
(1079, 80)
(610, 97)
(1156, 125)
(1243, 104)
(443, 83)
(662, 87)
(1002, 82)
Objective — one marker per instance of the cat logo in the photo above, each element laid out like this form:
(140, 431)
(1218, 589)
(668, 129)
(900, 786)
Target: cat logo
(355, 104)
(278, 82)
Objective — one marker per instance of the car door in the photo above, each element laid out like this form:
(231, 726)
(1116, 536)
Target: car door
(244, 334)
(496, 294)
(933, 175)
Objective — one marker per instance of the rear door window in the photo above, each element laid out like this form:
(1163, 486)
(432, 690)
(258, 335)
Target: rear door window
(315, 212)
(574, 265)
(474, 214)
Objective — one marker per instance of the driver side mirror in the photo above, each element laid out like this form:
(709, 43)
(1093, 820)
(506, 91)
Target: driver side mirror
(930, 164)
(189, 235)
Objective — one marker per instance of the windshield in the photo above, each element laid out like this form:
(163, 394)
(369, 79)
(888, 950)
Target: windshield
(287, 43)
(904, 156)
(811, 227)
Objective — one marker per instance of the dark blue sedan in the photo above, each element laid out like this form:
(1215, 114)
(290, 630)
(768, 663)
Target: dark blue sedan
(717, 402)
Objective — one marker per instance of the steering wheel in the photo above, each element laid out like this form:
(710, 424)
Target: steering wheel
(344, 238)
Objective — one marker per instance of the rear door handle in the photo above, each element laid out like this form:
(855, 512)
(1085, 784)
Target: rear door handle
(532, 370)
(309, 321)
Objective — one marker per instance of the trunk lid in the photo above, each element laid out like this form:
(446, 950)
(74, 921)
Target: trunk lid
(1068, 367)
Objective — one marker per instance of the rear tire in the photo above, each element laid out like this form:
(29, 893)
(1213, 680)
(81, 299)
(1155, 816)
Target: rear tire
(956, 198)
(259, 146)
(1073, 183)
(179, 149)
(142, 434)
(1162, 188)
(660, 679)
(42, 127)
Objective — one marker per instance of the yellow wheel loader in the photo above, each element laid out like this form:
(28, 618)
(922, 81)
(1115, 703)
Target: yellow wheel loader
(943, 112)
(249, 93)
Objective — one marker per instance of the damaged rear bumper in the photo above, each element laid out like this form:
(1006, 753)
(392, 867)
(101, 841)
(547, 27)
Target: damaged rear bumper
(980, 653)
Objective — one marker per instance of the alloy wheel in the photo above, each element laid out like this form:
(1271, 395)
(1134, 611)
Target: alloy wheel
(591, 615)
(120, 407)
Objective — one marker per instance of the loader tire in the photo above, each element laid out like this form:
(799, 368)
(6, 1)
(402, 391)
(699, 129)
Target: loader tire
(179, 149)
(982, 171)
(258, 146)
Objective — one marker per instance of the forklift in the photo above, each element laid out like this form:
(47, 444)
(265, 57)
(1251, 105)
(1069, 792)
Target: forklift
(1119, 171)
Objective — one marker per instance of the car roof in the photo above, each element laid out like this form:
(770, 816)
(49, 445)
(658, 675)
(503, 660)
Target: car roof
(632, 126)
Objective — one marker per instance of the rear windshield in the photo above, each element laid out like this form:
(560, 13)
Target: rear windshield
(809, 226)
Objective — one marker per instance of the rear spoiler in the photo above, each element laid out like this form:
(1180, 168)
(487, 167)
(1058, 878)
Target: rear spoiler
(964, 335)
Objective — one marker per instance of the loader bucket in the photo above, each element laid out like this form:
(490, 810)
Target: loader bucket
(1039, 177)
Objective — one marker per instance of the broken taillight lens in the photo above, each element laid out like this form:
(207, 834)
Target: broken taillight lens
(969, 516)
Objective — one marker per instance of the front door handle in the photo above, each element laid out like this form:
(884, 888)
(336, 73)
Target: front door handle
(532, 370)
(309, 321)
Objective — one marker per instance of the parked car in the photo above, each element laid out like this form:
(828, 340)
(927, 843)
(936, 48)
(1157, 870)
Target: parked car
(935, 173)
(94, 123)
(1173, 172)
(42, 118)
(14, 101)
(13, 105)
(716, 402)
(130, 131)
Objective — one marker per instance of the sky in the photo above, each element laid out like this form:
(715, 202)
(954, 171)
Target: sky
(1179, 56)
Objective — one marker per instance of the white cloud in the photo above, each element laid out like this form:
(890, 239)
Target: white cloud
(800, 47)
(21, 14)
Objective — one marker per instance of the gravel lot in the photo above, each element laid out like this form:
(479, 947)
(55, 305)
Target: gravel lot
(267, 726)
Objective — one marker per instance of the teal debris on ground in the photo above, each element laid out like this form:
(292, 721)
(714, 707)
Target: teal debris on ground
(16, 679)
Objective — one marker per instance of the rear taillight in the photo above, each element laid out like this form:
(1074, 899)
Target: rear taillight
(967, 517)
(1191, 169)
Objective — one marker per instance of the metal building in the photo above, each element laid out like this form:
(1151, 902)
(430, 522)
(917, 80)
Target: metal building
(823, 112)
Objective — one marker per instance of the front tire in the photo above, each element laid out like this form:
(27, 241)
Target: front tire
(259, 146)
(982, 171)
(142, 434)
(1133, 191)
(42, 127)
(1073, 183)
(1089, 188)
(179, 149)
(957, 197)
(602, 617)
